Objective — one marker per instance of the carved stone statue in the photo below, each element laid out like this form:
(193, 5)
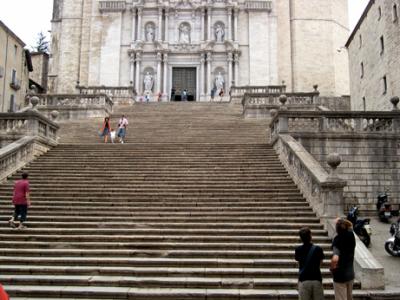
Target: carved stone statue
(219, 83)
(148, 82)
(150, 33)
(184, 34)
(219, 33)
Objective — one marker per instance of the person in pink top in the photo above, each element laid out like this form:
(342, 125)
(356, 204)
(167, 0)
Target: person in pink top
(21, 201)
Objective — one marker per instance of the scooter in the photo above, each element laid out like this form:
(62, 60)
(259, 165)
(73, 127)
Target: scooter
(384, 208)
(392, 245)
(361, 227)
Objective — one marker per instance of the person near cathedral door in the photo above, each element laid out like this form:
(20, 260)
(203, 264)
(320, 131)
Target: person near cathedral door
(184, 95)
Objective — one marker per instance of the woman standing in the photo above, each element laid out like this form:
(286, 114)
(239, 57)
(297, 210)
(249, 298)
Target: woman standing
(106, 129)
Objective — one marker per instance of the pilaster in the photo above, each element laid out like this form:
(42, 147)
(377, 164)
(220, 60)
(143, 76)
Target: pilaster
(139, 27)
(209, 83)
(230, 60)
(138, 85)
(165, 74)
(160, 29)
(159, 59)
(133, 24)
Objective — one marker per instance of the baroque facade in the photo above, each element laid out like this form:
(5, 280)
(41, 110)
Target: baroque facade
(199, 46)
(374, 54)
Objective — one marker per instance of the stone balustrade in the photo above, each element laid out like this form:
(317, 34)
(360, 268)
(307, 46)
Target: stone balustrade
(112, 6)
(28, 135)
(240, 91)
(76, 106)
(120, 95)
(259, 5)
(335, 122)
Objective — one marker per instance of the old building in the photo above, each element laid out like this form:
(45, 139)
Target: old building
(40, 63)
(374, 54)
(15, 65)
(201, 46)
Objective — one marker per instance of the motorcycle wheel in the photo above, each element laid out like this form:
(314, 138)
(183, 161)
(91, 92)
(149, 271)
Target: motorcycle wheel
(365, 238)
(390, 248)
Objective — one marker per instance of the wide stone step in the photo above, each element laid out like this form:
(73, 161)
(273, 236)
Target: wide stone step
(158, 282)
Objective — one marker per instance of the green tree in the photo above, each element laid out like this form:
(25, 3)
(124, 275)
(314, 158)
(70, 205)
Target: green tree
(42, 45)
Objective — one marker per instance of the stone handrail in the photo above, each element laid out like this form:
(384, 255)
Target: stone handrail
(325, 194)
(75, 100)
(109, 91)
(30, 123)
(272, 99)
(335, 122)
(259, 5)
(239, 91)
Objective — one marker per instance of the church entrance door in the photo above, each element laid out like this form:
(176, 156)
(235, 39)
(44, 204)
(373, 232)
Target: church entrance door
(184, 79)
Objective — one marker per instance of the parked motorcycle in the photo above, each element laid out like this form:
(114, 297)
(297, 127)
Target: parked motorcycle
(392, 245)
(361, 227)
(384, 208)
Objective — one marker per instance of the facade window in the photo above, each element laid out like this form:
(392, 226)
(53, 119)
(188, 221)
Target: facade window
(364, 104)
(14, 76)
(379, 13)
(384, 84)
(360, 40)
(15, 50)
(395, 13)
(382, 45)
(362, 70)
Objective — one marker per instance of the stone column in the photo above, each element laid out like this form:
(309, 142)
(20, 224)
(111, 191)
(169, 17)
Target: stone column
(159, 58)
(133, 24)
(209, 25)
(166, 25)
(202, 30)
(229, 29)
(165, 75)
(209, 80)
(138, 85)
(235, 20)
(140, 31)
(132, 65)
(236, 66)
(202, 61)
(230, 60)
(160, 29)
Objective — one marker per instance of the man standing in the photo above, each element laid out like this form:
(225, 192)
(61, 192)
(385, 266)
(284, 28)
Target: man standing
(21, 201)
(122, 125)
(342, 262)
(310, 258)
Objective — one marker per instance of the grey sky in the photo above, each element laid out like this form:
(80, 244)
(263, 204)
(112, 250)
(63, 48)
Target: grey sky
(26, 18)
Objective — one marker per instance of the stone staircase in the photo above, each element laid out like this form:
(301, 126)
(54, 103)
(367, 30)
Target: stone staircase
(196, 206)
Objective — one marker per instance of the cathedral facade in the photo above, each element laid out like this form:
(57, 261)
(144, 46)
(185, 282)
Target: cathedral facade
(199, 48)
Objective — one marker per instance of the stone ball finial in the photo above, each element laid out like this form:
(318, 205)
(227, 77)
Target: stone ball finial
(315, 86)
(283, 99)
(54, 115)
(334, 160)
(395, 100)
(34, 101)
(273, 112)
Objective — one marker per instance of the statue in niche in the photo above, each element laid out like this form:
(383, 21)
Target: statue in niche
(184, 33)
(150, 32)
(148, 82)
(219, 33)
(219, 83)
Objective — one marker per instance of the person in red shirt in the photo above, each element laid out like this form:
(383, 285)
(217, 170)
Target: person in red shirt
(3, 294)
(21, 201)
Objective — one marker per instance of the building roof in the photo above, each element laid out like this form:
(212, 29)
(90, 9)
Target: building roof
(360, 21)
(9, 31)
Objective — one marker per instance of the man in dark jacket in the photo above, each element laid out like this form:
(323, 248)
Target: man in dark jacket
(310, 258)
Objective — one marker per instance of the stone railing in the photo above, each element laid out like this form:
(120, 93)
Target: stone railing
(335, 122)
(324, 191)
(240, 91)
(75, 106)
(112, 6)
(29, 123)
(259, 5)
(120, 95)
(30, 134)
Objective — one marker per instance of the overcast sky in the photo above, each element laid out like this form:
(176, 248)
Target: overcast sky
(26, 18)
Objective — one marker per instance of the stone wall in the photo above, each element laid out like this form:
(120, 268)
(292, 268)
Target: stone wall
(369, 165)
(364, 48)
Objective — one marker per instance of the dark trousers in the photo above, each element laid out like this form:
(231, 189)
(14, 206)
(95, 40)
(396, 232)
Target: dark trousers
(21, 210)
